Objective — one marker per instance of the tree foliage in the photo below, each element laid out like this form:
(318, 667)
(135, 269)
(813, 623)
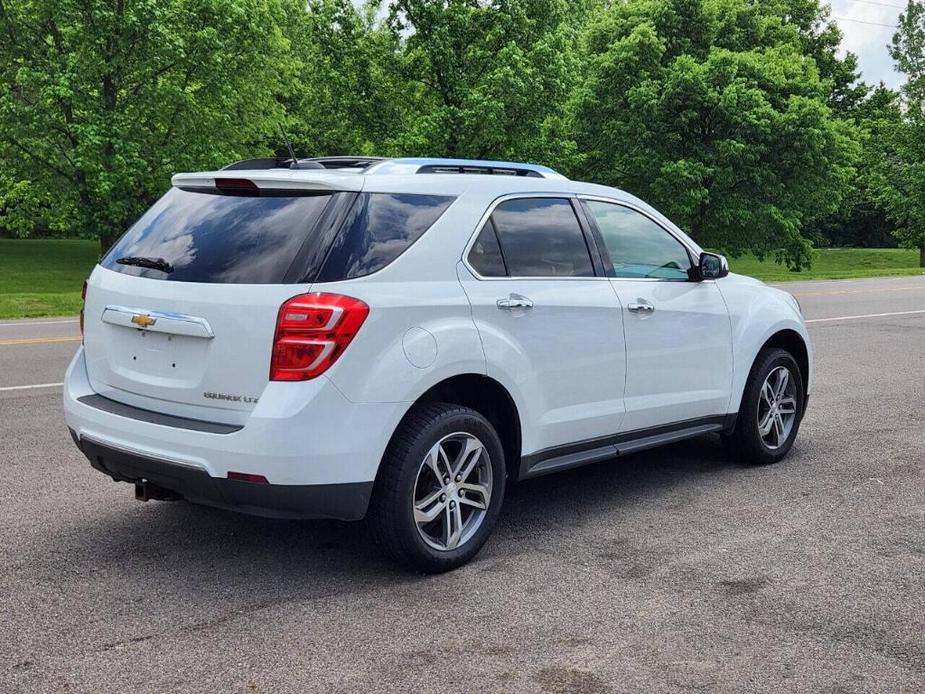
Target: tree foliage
(100, 101)
(716, 111)
(345, 96)
(741, 120)
(483, 78)
(899, 180)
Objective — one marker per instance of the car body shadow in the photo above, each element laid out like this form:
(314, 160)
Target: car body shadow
(221, 546)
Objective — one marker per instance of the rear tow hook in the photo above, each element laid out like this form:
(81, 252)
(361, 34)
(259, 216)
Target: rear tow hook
(145, 491)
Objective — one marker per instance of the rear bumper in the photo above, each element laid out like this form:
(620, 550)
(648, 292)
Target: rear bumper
(319, 451)
(341, 501)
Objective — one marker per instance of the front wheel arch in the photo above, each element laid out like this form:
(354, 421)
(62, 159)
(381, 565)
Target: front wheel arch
(791, 341)
(794, 344)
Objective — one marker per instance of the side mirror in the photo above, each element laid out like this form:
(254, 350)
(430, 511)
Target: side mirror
(712, 266)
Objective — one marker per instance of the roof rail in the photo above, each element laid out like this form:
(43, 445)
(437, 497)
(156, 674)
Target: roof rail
(385, 166)
(357, 163)
(346, 162)
(462, 166)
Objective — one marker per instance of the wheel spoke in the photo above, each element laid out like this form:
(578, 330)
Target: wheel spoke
(764, 426)
(427, 510)
(467, 458)
(453, 530)
(779, 428)
(767, 393)
(474, 503)
(433, 460)
(782, 380)
(479, 489)
(787, 406)
(476, 495)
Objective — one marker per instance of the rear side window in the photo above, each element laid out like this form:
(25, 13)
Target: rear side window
(485, 256)
(541, 237)
(205, 237)
(379, 228)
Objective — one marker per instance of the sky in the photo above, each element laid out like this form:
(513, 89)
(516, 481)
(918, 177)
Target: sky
(860, 22)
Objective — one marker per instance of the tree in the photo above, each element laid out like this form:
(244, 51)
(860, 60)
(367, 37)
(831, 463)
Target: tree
(900, 179)
(100, 102)
(862, 220)
(485, 78)
(716, 112)
(347, 95)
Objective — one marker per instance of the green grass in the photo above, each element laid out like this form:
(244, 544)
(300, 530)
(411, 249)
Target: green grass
(41, 277)
(834, 264)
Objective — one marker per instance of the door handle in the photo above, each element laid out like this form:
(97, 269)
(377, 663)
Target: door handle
(640, 307)
(515, 301)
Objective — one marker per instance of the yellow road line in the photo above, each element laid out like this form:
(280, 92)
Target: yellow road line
(38, 340)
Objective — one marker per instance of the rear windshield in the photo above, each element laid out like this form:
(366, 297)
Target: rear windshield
(205, 237)
(219, 238)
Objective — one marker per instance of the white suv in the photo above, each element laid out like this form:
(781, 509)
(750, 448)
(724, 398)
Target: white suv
(401, 338)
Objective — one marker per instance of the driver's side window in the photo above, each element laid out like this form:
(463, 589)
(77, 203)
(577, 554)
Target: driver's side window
(639, 247)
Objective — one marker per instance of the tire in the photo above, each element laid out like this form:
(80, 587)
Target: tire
(408, 489)
(749, 441)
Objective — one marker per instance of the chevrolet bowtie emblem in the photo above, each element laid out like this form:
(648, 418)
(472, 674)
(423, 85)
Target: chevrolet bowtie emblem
(143, 320)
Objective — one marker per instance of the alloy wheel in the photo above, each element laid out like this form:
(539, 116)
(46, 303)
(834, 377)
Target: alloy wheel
(777, 407)
(452, 491)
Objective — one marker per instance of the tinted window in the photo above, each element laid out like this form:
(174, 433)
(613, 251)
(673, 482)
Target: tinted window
(485, 255)
(378, 229)
(638, 246)
(219, 238)
(541, 237)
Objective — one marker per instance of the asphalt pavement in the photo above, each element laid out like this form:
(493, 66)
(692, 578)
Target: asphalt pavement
(672, 570)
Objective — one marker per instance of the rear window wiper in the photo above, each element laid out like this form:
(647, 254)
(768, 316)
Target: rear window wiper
(141, 261)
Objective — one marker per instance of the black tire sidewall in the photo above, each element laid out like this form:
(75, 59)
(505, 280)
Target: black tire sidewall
(747, 438)
(408, 450)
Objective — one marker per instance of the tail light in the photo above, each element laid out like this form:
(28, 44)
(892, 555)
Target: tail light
(237, 186)
(83, 302)
(312, 331)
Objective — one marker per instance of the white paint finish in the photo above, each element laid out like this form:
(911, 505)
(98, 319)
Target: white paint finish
(756, 313)
(375, 368)
(562, 360)
(169, 373)
(306, 434)
(420, 347)
(678, 356)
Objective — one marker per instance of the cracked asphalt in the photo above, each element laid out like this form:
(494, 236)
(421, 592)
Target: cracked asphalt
(674, 570)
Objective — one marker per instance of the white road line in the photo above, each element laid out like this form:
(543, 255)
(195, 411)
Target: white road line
(27, 323)
(866, 315)
(37, 385)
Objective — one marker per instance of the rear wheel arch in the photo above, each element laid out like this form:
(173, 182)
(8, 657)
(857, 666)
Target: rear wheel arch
(486, 396)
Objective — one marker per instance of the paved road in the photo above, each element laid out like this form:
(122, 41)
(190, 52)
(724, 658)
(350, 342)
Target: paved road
(673, 570)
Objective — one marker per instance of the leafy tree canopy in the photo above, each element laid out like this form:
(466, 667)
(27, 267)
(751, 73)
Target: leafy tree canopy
(484, 78)
(717, 112)
(101, 101)
(899, 180)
